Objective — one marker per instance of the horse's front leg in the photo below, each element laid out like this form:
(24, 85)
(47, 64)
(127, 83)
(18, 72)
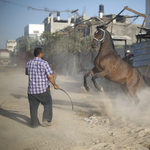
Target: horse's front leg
(98, 75)
(93, 71)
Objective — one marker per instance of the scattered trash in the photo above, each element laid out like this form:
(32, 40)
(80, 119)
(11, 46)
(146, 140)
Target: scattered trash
(91, 119)
(147, 129)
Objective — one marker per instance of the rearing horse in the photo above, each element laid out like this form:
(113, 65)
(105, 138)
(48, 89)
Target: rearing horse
(108, 64)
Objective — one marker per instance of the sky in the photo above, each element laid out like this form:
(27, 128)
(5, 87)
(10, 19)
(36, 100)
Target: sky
(15, 15)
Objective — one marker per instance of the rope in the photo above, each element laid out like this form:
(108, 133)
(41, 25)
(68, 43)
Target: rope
(69, 98)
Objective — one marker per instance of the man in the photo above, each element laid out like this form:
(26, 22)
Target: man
(39, 74)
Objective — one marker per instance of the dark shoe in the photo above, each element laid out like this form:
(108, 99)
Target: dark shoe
(35, 126)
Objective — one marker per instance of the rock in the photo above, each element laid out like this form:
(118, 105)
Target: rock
(94, 115)
(147, 129)
(111, 134)
(98, 141)
(87, 119)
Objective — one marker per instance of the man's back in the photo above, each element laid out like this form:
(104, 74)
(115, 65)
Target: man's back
(38, 70)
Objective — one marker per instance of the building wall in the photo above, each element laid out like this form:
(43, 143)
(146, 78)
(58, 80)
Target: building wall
(17, 42)
(85, 17)
(47, 24)
(122, 31)
(52, 26)
(11, 45)
(58, 26)
(36, 29)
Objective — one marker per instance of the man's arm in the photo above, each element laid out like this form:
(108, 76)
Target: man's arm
(51, 79)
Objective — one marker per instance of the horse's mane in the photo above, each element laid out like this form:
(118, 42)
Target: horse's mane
(104, 27)
(111, 41)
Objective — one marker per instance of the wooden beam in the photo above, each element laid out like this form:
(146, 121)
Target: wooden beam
(143, 15)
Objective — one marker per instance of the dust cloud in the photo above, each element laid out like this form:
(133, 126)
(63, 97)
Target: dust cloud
(99, 119)
(113, 102)
(131, 113)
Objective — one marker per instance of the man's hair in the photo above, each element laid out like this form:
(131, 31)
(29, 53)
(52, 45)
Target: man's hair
(37, 51)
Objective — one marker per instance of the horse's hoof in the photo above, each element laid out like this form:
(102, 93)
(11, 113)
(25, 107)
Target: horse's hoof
(100, 89)
(87, 89)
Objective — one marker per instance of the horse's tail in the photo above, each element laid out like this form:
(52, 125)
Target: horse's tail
(146, 80)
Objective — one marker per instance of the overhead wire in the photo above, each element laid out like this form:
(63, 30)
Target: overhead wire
(21, 12)
(55, 11)
(29, 7)
(13, 3)
(47, 10)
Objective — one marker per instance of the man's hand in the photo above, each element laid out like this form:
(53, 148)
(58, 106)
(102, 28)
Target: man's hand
(56, 87)
(51, 79)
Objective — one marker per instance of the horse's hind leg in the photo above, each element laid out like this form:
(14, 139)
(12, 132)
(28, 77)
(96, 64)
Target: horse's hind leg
(134, 96)
(126, 92)
(133, 83)
(133, 87)
(93, 71)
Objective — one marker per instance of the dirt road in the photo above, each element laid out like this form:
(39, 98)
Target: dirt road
(98, 121)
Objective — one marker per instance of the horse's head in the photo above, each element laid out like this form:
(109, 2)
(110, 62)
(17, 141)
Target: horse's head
(99, 36)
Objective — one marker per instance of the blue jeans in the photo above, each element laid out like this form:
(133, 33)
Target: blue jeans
(34, 100)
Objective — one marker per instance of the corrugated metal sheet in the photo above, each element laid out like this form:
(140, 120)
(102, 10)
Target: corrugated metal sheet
(141, 54)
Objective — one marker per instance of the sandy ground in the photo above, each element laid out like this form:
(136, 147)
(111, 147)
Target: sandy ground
(98, 121)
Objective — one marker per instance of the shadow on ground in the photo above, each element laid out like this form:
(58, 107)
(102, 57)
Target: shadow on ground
(17, 96)
(14, 115)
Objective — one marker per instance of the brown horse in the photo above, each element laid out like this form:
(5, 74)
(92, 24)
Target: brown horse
(108, 64)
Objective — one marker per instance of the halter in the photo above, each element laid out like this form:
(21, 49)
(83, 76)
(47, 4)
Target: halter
(103, 39)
